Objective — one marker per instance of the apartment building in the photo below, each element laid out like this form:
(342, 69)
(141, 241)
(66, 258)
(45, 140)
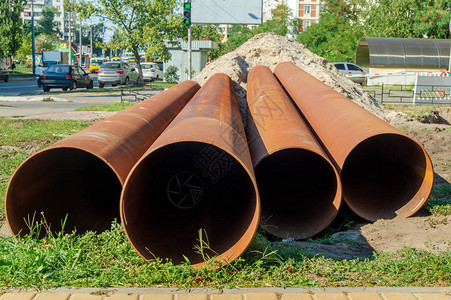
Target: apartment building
(306, 10)
(61, 17)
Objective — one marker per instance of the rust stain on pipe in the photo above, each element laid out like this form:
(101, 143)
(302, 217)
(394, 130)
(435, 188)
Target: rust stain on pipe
(81, 176)
(300, 190)
(197, 175)
(385, 174)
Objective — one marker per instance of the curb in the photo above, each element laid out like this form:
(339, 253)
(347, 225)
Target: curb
(21, 79)
(234, 294)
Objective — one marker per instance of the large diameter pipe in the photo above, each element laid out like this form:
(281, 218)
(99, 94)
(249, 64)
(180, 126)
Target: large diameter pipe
(385, 174)
(81, 176)
(300, 190)
(195, 183)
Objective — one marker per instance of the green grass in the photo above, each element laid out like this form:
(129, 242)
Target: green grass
(162, 84)
(108, 259)
(439, 201)
(118, 106)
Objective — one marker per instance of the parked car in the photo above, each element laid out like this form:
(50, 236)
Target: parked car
(116, 72)
(65, 77)
(151, 71)
(4, 73)
(351, 69)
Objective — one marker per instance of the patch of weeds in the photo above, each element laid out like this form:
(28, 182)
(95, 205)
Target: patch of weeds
(118, 106)
(433, 223)
(439, 201)
(47, 99)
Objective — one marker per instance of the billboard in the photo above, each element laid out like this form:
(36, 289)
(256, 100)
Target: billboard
(226, 12)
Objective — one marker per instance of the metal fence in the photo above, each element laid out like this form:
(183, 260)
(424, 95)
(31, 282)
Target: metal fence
(410, 94)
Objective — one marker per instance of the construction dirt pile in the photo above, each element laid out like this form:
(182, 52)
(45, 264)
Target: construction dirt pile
(269, 49)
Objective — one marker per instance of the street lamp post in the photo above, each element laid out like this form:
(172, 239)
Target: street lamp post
(33, 51)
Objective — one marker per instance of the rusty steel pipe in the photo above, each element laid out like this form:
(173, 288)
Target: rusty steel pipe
(197, 176)
(385, 174)
(81, 176)
(300, 190)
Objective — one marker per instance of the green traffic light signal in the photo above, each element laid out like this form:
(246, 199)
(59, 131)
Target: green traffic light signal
(187, 5)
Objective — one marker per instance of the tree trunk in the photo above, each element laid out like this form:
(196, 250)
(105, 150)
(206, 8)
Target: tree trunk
(138, 64)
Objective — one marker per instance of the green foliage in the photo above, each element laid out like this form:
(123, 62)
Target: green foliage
(432, 19)
(336, 36)
(142, 25)
(46, 42)
(47, 24)
(25, 47)
(11, 26)
(170, 74)
(278, 23)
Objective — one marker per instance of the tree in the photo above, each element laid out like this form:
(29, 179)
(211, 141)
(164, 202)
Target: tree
(279, 22)
(336, 36)
(389, 18)
(431, 19)
(25, 47)
(46, 42)
(11, 29)
(47, 24)
(142, 24)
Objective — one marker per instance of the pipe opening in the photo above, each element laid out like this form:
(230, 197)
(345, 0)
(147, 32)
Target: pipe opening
(382, 175)
(181, 188)
(298, 193)
(64, 182)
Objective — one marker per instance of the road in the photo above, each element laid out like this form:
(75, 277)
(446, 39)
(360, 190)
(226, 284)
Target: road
(17, 88)
(18, 99)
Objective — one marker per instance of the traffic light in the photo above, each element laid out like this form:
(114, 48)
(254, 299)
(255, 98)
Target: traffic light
(187, 12)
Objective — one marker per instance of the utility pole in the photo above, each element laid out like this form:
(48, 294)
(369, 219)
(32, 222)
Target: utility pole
(90, 52)
(80, 45)
(189, 52)
(70, 38)
(33, 51)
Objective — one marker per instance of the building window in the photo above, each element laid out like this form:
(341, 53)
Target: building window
(306, 24)
(307, 9)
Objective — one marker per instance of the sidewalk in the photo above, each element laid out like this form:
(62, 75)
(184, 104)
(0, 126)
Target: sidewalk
(378, 293)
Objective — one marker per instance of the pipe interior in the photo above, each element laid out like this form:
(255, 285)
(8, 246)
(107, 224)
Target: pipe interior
(381, 175)
(64, 182)
(297, 191)
(181, 188)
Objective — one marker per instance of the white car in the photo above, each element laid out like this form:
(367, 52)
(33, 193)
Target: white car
(151, 71)
(352, 71)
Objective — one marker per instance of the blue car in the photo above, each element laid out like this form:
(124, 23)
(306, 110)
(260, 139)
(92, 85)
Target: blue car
(65, 77)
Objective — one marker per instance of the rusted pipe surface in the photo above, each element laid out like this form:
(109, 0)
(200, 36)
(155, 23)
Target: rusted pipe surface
(81, 176)
(196, 176)
(300, 190)
(385, 174)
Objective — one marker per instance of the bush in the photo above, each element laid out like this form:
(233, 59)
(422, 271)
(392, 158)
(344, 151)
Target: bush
(170, 74)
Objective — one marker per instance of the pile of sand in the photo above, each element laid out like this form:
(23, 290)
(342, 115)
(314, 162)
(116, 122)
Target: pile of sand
(269, 49)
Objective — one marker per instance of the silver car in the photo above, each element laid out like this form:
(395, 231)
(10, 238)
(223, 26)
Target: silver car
(151, 71)
(116, 72)
(352, 71)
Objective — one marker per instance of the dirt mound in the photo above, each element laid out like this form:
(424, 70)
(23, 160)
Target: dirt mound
(269, 49)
